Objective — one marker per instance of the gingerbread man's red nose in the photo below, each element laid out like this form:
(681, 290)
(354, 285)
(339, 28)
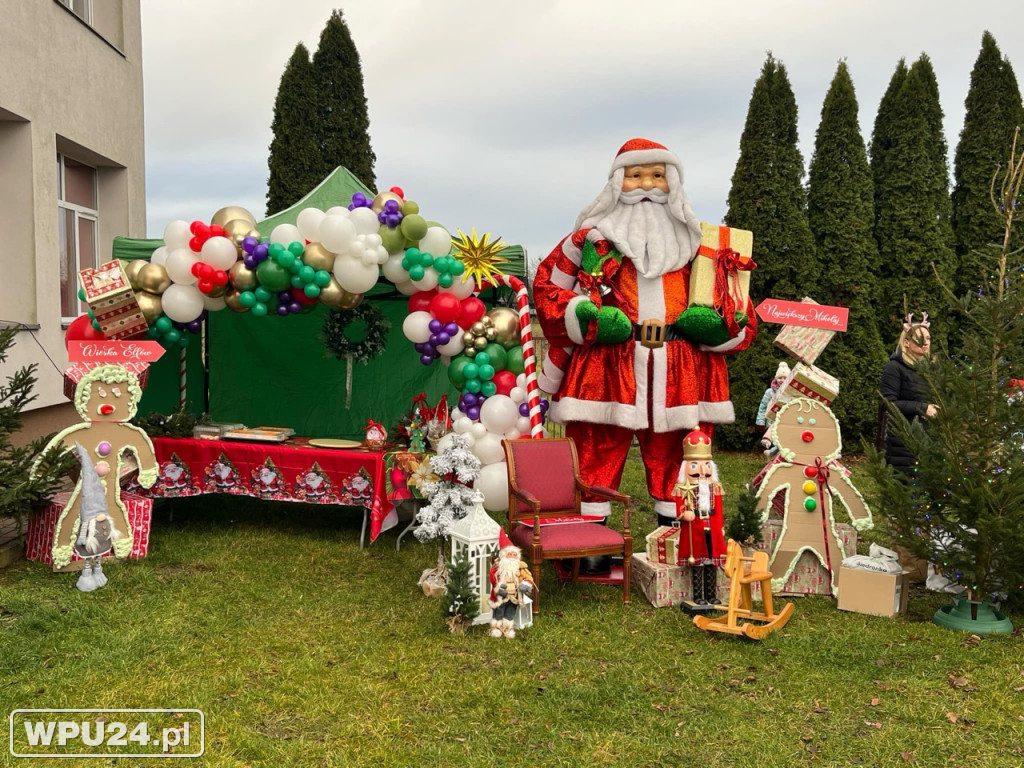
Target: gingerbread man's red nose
(106, 409)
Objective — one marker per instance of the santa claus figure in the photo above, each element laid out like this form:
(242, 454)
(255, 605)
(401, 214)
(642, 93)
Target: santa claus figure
(698, 499)
(511, 580)
(609, 298)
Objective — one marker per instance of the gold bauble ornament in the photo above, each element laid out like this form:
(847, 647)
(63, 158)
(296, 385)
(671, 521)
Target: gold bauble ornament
(318, 257)
(506, 325)
(237, 230)
(131, 271)
(377, 204)
(242, 278)
(153, 278)
(231, 212)
(150, 304)
(231, 299)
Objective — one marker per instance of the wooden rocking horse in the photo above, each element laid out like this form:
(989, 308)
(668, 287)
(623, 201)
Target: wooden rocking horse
(740, 617)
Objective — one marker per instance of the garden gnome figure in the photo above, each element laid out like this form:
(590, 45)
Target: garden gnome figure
(701, 524)
(510, 579)
(96, 531)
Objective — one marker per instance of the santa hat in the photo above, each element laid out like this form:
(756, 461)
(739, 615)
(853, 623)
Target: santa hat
(697, 446)
(504, 542)
(644, 152)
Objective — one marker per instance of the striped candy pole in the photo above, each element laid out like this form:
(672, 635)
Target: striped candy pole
(529, 357)
(182, 380)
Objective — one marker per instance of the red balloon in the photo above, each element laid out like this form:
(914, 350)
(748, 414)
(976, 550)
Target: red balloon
(300, 296)
(420, 301)
(471, 310)
(504, 381)
(216, 230)
(197, 268)
(398, 191)
(81, 330)
(204, 286)
(196, 227)
(445, 307)
(196, 244)
(220, 277)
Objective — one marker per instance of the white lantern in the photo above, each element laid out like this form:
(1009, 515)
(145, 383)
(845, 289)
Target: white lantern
(475, 538)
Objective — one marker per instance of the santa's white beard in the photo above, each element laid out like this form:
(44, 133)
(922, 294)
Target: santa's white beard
(655, 241)
(508, 570)
(704, 496)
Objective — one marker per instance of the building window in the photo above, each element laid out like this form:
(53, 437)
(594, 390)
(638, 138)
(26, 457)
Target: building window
(77, 217)
(81, 8)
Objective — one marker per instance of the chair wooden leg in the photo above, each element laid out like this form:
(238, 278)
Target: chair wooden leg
(537, 563)
(625, 579)
(575, 569)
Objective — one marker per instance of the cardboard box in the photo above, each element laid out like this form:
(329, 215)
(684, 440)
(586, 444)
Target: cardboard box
(41, 527)
(876, 594)
(666, 586)
(804, 381)
(805, 344)
(112, 301)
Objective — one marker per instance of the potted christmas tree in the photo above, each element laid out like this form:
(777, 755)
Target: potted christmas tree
(460, 604)
(961, 507)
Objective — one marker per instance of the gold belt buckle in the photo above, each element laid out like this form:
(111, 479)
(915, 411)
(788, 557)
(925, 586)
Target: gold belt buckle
(652, 334)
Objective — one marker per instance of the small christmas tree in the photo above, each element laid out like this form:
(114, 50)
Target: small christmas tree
(961, 508)
(20, 488)
(460, 603)
(744, 527)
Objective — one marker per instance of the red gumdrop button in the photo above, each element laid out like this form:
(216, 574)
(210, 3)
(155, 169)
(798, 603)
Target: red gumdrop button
(106, 409)
(807, 436)
(809, 471)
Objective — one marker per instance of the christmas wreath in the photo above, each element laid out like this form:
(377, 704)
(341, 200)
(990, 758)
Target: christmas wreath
(358, 334)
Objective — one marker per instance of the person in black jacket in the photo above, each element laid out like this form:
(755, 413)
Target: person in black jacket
(903, 387)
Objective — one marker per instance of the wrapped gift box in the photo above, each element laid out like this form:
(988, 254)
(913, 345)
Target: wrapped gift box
(663, 545)
(74, 374)
(112, 300)
(703, 267)
(809, 576)
(804, 381)
(41, 527)
(665, 586)
(805, 344)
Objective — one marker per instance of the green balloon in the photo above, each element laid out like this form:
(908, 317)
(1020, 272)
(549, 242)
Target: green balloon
(391, 239)
(456, 371)
(296, 247)
(322, 278)
(409, 208)
(307, 273)
(183, 341)
(259, 309)
(457, 268)
(497, 355)
(286, 259)
(486, 372)
(262, 294)
(472, 370)
(273, 276)
(172, 336)
(445, 280)
(514, 360)
(312, 290)
(488, 388)
(297, 281)
(414, 226)
(247, 299)
(81, 293)
(472, 385)
(164, 324)
(412, 256)
(416, 272)
(482, 358)
(275, 250)
(153, 332)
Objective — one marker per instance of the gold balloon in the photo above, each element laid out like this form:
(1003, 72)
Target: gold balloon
(480, 342)
(153, 278)
(477, 328)
(131, 271)
(351, 300)
(333, 295)
(231, 299)
(237, 230)
(318, 257)
(506, 325)
(150, 304)
(224, 215)
(243, 278)
(468, 338)
(377, 204)
(217, 291)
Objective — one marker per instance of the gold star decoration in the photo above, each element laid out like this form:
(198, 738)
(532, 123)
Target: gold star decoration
(478, 256)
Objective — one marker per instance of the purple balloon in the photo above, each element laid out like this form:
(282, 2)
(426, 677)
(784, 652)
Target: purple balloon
(195, 326)
(285, 297)
(249, 261)
(282, 309)
(294, 307)
(443, 338)
(435, 325)
(473, 413)
(426, 359)
(451, 329)
(249, 244)
(544, 405)
(261, 251)
(524, 409)
(391, 206)
(470, 399)
(393, 220)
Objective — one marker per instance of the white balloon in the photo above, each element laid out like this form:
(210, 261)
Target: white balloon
(523, 425)
(353, 275)
(521, 381)
(214, 304)
(159, 256)
(456, 413)
(182, 303)
(462, 425)
(499, 413)
(429, 281)
(338, 210)
(365, 221)
(453, 347)
(478, 430)
(437, 242)
(177, 234)
(382, 254)
(369, 258)
(488, 449)
(512, 434)
(393, 269)
(372, 240)
(308, 222)
(179, 266)
(462, 290)
(407, 288)
(219, 253)
(518, 394)
(416, 327)
(285, 234)
(336, 233)
(493, 484)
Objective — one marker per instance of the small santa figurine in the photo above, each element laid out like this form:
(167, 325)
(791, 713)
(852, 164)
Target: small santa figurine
(376, 435)
(698, 497)
(511, 581)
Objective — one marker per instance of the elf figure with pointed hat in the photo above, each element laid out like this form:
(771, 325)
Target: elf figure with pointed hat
(510, 580)
(609, 298)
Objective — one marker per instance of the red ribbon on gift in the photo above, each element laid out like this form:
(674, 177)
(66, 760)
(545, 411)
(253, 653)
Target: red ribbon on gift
(728, 265)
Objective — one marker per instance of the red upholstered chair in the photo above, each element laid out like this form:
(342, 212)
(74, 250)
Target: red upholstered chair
(544, 483)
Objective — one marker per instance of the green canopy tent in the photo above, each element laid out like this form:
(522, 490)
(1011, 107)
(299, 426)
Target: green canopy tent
(274, 370)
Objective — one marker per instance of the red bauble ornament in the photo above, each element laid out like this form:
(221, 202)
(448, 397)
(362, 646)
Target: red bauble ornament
(445, 307)
(81, 330)
(504, 381)
(472, 309)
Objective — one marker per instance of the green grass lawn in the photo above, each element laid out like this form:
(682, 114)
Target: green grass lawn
(303, 650)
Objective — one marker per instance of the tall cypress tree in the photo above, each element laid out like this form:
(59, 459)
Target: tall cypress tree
(913, 227)
(767, 197)
(294, 151)
(882, 135)
(840, 211)
(993, 112)
(341, 104)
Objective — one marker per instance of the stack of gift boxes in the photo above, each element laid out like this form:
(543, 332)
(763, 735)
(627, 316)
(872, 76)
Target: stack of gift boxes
(805, 379)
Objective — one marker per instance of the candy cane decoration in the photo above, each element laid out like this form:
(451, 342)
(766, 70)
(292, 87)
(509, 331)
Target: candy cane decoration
(529, 357)
(182, 379)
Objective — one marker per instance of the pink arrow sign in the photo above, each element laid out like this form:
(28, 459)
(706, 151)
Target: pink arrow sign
(803, 314)
(114, 351)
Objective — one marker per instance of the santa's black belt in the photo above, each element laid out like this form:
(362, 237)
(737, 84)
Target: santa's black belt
(654, 333)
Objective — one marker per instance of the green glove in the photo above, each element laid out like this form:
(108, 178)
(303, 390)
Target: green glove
(613, 327)
(704, 326)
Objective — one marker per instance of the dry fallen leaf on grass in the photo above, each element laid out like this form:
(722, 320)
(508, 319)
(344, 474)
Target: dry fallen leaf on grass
(875, 702)
(953, 717)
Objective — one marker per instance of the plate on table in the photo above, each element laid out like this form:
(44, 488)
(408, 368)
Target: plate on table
(331, 442)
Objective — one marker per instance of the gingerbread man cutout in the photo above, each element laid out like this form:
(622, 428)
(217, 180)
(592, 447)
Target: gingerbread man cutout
(106, 398)
(807, 434)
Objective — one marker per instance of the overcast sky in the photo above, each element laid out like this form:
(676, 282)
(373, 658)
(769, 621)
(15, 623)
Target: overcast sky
(506, 116)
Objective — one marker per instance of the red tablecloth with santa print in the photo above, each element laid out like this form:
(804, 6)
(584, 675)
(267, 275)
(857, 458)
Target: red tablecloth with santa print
(289, 471)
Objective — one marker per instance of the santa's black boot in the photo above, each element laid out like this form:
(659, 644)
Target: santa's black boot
(711, 584)
(700, 596)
